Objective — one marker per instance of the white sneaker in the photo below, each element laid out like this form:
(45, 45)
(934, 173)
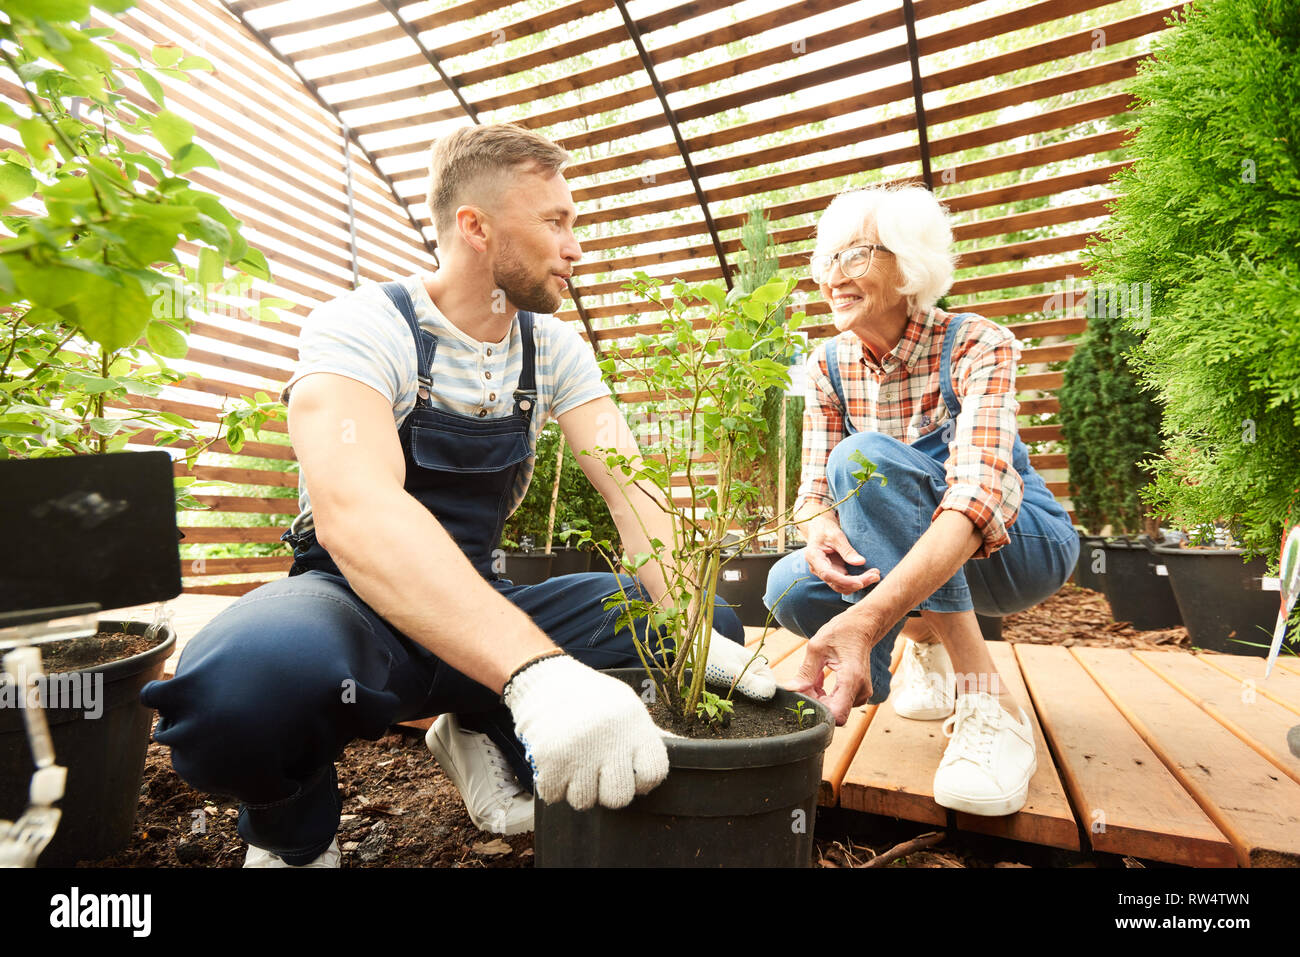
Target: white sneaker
(493, 796)
(260, 857)
(927, 686)
(989, 760)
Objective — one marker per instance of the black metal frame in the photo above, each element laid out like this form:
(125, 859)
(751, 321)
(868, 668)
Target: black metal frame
(909, 19)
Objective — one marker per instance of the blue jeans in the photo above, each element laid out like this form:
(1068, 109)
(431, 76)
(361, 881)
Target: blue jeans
(269, 692)
(884, 522)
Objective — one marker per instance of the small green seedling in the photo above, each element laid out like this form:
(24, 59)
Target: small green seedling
(714, 708)
(802, 710)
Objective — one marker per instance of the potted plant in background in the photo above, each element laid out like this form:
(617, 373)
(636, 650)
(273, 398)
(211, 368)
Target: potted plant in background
(728, 799)
(764, 462)
(94, 301)
(1111, 427)
(560, 502)
(1209, 216)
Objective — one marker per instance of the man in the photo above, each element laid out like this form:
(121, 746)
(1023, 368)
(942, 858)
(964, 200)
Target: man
(414, 412)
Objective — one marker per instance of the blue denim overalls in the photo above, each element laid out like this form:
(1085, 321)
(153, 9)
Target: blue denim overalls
(884, 522)
(461, 468)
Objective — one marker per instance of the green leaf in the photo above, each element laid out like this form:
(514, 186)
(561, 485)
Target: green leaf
(211, 266)
(166, 56)
(89, 384)
(254, 263)
(166, 340)
(16, 183)
(172, 130)
(192, 156)
(37, 137)
(75, 10)
(195, 63)
(112, 313)
(235, 439)
(151, 86)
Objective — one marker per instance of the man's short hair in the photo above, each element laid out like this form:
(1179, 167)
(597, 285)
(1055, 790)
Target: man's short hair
(470, 164)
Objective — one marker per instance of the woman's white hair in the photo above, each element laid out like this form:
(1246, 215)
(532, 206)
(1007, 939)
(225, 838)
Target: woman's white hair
(910, 222)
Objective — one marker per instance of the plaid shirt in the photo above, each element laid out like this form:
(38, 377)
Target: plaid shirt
(900, 397)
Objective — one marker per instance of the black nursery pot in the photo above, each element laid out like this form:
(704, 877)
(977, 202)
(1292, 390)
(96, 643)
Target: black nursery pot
(569, 561)
(527, 568)
(743, 802)
(743, 582)
(1084, 576)
(104, 756)
(1135, 592)
(1220, 598)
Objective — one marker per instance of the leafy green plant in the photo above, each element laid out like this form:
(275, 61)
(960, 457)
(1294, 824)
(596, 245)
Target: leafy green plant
(802, 710)
(578, 507)
(1110, 426)
(760, 463)
(94, 300)
(719, 352)
(714, 708)
(1210, 217)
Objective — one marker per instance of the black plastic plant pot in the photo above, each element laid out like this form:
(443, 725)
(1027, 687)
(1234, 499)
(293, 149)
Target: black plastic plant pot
(742, 802)
(1134, 591)
(104, 755)
(743, 582)
(1091, 557)
(1220, 598)
(527, 568)
(569, 561)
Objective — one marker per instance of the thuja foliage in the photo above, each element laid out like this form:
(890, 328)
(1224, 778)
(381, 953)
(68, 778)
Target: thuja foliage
(94, 300)
(720, 352)
(1210, 217)
(1110, 426)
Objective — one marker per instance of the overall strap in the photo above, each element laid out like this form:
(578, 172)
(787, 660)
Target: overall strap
(945, 363)
(833, 373)
(426, 343)
(526, 394)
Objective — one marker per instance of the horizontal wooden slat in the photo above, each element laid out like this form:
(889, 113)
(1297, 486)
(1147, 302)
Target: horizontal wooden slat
(204, 535)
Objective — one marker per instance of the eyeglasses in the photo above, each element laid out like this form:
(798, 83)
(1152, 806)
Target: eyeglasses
(854, 262)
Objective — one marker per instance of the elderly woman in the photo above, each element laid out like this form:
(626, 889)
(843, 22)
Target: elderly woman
(961, 524)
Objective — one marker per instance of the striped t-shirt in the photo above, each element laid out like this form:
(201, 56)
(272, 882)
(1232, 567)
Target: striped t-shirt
(362, 336)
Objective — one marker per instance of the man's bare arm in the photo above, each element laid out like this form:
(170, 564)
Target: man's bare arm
(396, 556)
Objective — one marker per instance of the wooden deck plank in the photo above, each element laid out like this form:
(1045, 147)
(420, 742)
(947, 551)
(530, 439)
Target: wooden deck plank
(1289, 663)
(1281, 687)
(1126, 799)
(1046, 817)
(777, 646)
(189, 613)
(1255, 805)
(1260, 723)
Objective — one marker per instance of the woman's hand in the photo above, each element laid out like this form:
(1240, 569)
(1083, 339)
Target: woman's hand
(844, 645)
(829, 554)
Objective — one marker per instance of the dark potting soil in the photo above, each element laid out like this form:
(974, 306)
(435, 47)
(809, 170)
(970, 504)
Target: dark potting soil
(93, 651)
(749, 719)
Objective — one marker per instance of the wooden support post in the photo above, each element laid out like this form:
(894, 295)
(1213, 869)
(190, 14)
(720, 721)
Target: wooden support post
(555, 494)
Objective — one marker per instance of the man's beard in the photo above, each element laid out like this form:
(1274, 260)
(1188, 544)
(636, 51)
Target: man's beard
(525, 291)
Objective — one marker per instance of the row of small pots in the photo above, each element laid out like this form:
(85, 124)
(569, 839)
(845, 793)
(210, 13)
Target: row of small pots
(1155, 585)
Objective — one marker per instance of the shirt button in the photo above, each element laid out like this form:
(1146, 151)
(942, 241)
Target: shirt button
(489, 352)
(487, 375)
(482, 412)
(492, 397)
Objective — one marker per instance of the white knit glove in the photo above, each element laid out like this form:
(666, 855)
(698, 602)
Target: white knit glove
(589, 736)
(727, 658)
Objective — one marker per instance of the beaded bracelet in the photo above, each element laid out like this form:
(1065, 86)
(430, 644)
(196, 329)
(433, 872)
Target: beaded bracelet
(528, 664)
